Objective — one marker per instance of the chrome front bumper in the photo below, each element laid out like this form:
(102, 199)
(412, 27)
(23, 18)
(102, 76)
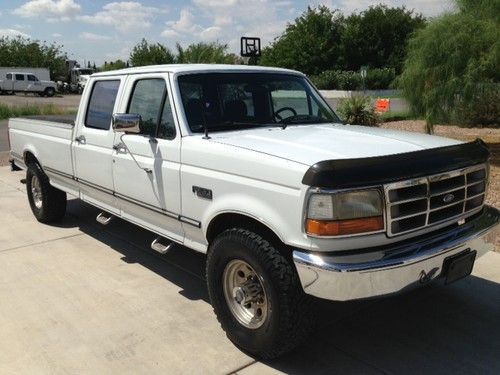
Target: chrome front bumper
(367, 273)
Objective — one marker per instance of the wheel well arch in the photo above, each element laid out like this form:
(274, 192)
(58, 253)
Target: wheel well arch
(228, 220)
(29, 158)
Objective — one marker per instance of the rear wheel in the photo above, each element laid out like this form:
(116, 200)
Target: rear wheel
(256, 294)
(48, 204)
(50, 91)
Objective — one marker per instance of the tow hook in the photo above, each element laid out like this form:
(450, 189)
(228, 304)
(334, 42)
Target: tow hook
(425, 277)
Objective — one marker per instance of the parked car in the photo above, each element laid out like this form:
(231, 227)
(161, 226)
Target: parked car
(27, 83)
(252, 167)
(42, 74)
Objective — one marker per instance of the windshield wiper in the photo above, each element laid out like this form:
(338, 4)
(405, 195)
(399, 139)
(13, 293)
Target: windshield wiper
(302, 119)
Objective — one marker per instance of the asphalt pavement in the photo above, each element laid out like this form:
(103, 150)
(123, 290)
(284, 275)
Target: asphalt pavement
(78, 297)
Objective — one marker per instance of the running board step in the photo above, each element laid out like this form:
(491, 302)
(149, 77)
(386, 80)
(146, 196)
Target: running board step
(156, 245)
(104, 218)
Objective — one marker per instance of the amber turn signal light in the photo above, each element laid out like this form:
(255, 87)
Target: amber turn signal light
(344, 227)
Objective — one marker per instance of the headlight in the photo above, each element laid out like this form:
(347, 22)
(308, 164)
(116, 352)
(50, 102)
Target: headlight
(345, 213)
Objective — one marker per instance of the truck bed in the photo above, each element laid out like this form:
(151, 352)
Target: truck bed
(60, 119)
(48, 138)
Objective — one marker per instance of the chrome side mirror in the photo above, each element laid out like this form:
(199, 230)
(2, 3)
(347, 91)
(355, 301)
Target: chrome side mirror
(127, 123)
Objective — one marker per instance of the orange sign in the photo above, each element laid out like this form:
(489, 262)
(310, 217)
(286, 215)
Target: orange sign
(382, 105)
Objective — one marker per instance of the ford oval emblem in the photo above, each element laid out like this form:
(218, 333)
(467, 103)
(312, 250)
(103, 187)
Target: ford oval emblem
(448, 198)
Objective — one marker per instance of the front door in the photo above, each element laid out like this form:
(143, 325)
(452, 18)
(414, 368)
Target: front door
(33, 83)
(93, 144)
(148, 188)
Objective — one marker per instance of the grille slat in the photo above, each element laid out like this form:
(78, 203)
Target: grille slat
(416, 204)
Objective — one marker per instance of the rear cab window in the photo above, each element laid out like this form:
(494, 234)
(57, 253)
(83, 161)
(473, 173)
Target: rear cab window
(101, 104)
(9, 77)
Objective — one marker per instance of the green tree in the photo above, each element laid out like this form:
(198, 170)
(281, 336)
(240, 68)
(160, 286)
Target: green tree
(210, 53)
(25, 52)
(113, 65)
(145, 53)
(451, 73)
(311, 44)
(378, 37)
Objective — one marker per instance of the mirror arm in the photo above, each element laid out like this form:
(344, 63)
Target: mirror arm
(147, 170)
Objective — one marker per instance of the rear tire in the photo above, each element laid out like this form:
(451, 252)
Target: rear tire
(50, 92)
(285, 317)
(47, 203)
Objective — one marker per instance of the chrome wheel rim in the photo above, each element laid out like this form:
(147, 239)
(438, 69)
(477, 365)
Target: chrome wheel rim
(245, 294)
(36, 192)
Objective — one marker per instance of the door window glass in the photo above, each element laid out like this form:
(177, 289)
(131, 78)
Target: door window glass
(146, 101)
(166, 128)
(19, 77)
(101, 104)
(31, 77)
(150, 100)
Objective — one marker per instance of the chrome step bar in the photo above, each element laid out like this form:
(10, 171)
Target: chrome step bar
(158, 246)
(104, 218)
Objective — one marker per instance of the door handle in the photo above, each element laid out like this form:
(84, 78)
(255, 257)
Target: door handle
(81, 139)
(120, 148)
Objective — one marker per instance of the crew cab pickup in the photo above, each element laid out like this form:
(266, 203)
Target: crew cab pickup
(27, 83)
(251, 166)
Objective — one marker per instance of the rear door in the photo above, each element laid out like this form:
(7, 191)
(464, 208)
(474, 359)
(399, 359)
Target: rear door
(150, 199)
(93, 146)
(9, 82)
(20, 83)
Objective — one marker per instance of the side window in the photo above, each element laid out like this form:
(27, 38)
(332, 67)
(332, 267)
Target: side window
(9, 77)
(19, 77)
(101, 104)
(31, 77)
(149, 99)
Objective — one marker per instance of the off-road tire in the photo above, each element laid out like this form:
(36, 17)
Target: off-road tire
(53, 207)
(289, 319)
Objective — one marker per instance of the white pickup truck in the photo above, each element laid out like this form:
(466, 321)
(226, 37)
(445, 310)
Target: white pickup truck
(27, 83)
(251, 166)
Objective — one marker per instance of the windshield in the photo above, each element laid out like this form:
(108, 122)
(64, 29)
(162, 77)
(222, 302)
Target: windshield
(230, 101)
(85, 72)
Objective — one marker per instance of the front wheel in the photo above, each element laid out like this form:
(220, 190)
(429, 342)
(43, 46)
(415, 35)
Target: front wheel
(48, 204)
(256, 294)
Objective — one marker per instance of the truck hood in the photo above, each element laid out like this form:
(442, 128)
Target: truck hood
(308, 144)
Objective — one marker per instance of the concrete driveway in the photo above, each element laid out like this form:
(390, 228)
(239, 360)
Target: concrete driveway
(82, 298)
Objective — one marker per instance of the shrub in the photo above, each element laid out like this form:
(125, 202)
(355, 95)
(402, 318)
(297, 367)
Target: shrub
(31, 110)
(376, 79)
(358, 110)
(379, 79)
(451, 71)
(483, 110)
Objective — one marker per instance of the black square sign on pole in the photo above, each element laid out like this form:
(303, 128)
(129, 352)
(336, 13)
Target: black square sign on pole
(250, 46)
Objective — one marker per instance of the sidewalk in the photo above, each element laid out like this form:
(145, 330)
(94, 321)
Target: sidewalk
(82, 298)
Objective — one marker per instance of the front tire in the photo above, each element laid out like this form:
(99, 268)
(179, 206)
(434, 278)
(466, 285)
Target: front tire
(47, 203)
(256, 294)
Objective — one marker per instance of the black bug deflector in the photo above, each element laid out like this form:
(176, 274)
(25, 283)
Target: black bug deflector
(378, 170)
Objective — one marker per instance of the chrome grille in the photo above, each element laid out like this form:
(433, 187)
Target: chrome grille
(418, 203)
